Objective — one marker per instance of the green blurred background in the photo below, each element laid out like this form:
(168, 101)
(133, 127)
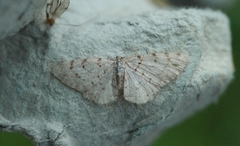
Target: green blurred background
(217, 125)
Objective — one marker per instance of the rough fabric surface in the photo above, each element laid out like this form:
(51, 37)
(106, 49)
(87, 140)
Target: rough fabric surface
(38, 105)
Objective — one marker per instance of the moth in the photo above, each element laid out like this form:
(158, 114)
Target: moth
(137, 79)
(54, 9)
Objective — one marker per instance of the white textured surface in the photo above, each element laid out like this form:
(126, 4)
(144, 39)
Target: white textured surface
(35, 103)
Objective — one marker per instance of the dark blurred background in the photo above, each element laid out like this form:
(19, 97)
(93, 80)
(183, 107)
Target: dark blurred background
(219, 123)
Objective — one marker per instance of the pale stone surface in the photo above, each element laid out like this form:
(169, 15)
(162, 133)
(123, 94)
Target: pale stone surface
(16, 14)
(38, 105)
